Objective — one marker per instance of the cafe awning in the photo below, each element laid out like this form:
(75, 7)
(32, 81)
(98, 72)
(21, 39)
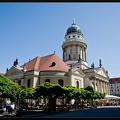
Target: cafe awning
(112, 97)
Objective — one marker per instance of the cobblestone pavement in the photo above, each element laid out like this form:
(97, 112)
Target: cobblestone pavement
(35, 113)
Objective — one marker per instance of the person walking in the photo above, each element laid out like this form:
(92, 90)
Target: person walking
(76, 104)
(8, 104)
(12, 108)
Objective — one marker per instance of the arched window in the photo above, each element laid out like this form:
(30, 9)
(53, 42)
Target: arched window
(77, 84)
(47, 80)
(60, 82)
(28, 83)
(19, 82)
(69, 57)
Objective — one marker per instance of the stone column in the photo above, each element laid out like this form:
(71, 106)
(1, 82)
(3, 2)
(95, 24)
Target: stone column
(85, 55)
(67, 54)
(100, 86)
(95, 84)
(82, 54)
(103, 83)
(22, 81)
(108, 90)
(63, 55)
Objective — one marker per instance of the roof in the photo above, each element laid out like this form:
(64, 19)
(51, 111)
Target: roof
(1, 73)
(47, 63)
(74, 29)
(113, 80)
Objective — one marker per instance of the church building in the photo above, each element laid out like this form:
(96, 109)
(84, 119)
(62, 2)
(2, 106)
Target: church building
(71, 70)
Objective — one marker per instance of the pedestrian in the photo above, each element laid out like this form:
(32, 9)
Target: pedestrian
(8, 105)
(12, 108)
(76, 104)
(2, 104)
(26, 106)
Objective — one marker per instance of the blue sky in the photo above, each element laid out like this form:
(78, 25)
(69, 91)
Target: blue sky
(30, 29)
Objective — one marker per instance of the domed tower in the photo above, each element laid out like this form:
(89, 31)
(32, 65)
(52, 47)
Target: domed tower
(74, 47)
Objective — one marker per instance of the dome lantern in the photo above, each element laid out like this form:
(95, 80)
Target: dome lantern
(74, 29)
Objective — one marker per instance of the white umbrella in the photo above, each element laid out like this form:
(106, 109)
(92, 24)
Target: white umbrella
(112, 97)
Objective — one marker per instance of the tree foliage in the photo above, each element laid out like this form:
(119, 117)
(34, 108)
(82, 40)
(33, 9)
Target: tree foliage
(26, 93)
(49, 90)
(8, 88)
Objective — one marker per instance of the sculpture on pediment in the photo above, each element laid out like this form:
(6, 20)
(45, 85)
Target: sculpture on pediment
(100, 63)
(6, 69)
(92, 65)
(15, 62)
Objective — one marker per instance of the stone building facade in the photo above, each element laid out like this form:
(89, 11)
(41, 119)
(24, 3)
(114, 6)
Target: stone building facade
(114, 86)
(72, 70)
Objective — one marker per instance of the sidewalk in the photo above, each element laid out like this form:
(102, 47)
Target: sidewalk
(35, 113)
(30, 113)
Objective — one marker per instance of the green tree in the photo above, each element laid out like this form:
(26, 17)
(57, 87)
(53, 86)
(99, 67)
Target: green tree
(70, 91)
(51, 92)
(8, 88)
(92, 94)
(26, 93)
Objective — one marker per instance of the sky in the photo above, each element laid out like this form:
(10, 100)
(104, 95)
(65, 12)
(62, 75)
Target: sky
(31, 29)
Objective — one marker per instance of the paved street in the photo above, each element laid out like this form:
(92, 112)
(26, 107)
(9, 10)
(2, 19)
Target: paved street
(105, 112)
(102, 112)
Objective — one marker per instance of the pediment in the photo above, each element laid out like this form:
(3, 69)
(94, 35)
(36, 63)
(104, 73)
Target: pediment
(14, 70)
(102, 72)
(79, 72)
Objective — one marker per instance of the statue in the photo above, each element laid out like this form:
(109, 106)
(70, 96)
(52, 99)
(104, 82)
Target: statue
(100, 63)
(6, 69)
(92, 65)
(15, 62)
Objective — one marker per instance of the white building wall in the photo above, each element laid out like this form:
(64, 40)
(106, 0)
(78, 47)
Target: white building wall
(115, 89)
(75, 79)
(54, 80)
(35, 82)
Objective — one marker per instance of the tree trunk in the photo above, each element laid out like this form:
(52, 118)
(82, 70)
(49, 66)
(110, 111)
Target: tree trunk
(52, 104)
